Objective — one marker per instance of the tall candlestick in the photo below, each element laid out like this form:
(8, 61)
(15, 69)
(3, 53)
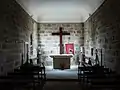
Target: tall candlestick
(101, 58)
(24, 51)
(27, 48)
(22, 59)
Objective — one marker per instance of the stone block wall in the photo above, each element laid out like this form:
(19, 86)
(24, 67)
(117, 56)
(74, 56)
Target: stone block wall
(15, 29)
(33, 41)
(101, 32)
(50, 44)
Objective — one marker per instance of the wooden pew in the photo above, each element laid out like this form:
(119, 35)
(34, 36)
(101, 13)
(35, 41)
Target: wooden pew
(17, 81)
(24, 77)
(104, 82)
(83, 72)
(39, 72)
(95, 79)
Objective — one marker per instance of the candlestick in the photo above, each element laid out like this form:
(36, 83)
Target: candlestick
(27, 48)
(24, 51)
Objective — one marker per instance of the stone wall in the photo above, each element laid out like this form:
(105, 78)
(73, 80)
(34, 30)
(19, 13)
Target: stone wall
(15, 29)
(50, 44)
(102, 33)
(34, 40)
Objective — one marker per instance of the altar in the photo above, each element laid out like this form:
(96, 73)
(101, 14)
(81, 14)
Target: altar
(61, 61)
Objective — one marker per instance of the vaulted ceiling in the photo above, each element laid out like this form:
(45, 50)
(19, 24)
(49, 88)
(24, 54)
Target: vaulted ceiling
(46, 11)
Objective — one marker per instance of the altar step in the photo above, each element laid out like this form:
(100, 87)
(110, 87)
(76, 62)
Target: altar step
(67, 74)
(65, 80)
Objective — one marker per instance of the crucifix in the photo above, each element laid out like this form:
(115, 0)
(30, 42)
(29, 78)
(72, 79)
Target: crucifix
(60, 33)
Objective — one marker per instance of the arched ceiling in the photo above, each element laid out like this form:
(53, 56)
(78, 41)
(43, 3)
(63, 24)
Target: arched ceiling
(46, 11)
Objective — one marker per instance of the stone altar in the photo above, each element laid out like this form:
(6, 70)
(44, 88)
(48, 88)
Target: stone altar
(61, 61)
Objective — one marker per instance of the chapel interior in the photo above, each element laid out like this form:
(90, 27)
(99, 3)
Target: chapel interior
(59, 45)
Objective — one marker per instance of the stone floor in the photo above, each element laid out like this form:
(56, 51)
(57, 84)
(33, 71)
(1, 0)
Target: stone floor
(61, 74)
(62, 79)
(58, 85)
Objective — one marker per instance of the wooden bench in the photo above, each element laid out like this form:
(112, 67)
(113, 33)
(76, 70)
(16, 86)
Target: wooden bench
(83, 72)
(93, 77)
(25, 77)
(39, 72)
(104, 82)
(17, 82)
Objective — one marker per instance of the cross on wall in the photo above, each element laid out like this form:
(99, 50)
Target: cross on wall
(61, 33)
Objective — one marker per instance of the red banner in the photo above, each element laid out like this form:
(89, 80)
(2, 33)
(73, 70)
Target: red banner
(69, 48)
